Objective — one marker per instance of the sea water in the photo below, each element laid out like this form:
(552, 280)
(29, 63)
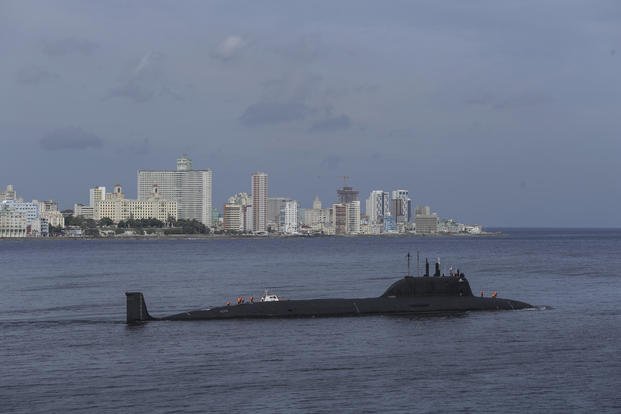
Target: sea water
(64, 346)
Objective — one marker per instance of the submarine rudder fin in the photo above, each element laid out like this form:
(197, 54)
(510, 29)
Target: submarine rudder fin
(136, 308)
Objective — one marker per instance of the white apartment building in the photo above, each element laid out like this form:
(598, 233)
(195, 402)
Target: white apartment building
(245, 202)
(377, 205)
(80, 210)
(48, 210)
(190, 189)
(21, 218)
(95, 195)
(259, 201)
(353, 217)
(29, 210)
(232, 217)
(12, 223)
(289, 217)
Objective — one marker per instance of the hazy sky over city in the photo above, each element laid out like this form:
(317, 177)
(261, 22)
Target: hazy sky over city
(500, 113)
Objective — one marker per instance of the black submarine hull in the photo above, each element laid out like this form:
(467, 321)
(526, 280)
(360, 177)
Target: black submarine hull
(328, 308)
(348, 307)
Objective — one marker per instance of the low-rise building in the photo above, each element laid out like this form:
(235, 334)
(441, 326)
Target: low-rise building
(118, 208)
(12, 223)
(425, 221)
(233, 217)
(80, 210)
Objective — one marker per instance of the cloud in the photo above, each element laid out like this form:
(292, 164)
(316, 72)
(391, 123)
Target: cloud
(133, 91)
(265, 113)
(303, 50)
(70, 138)
(508, 101)
(331, 162)
(68, 46)
(336, 123)
(145, 81)
(142, 147)
(229, 48)
(35, 75)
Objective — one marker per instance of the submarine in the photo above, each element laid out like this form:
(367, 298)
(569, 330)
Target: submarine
(408, 295)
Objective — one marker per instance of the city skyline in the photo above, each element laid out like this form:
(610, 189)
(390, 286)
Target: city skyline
(501, 113)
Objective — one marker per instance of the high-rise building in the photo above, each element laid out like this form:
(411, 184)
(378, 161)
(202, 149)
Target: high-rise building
(401, 206)
(96, 194)
(259, 201)
(274, 207)
(190, 188)
(377, 206)
(353, 217)
(339, 215)
(289, 217)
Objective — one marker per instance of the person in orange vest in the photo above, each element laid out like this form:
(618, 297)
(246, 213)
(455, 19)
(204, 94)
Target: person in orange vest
(481, 293)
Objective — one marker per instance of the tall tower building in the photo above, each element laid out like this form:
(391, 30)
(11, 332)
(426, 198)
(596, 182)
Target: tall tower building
(274, 207)
(401, 206)
(289, 217)
(353, 217)
(96, 194)
(259, 201)
(377, 206)
(190, 188)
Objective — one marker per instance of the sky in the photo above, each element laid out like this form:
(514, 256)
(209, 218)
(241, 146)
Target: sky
(491, 112)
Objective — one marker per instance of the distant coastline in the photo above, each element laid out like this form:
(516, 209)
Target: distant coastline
(256, 237)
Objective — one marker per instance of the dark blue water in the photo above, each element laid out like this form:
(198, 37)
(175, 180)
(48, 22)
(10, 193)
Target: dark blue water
(64, 345)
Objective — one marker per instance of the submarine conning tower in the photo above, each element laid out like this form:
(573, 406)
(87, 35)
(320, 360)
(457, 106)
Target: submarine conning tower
(429, 286)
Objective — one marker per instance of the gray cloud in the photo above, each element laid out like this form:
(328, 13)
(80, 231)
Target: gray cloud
(331, 162)
(305, 49)
(138, 148)
(265, 113)
(70, 138)
(35, 75)
(335, 123)
(517, 101)
(68, 46)
(134, 91)
(145, 81)
(229, 48)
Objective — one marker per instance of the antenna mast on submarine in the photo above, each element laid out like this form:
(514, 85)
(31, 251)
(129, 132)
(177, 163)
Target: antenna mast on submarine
(408, 256)
(417, 263)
